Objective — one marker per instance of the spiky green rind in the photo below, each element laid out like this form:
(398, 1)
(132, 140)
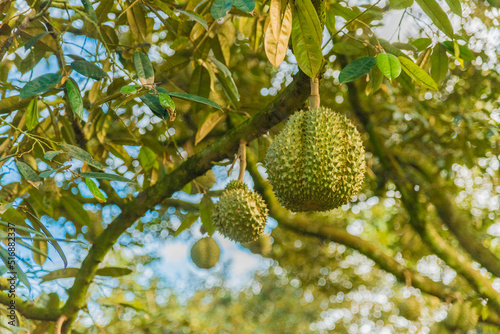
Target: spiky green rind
(317, 162)
(240, 215)
(235, 184)
(205, 253)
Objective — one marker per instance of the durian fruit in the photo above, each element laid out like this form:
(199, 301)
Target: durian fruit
(317, 162)
(410, 308)
(240, 214)
(263, 245)
(205, 253)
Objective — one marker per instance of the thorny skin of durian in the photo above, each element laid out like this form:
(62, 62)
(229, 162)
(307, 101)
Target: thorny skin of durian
(317, 162)
(205, 253)
(240, 214)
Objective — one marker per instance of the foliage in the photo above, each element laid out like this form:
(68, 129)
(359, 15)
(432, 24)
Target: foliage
(114, 114)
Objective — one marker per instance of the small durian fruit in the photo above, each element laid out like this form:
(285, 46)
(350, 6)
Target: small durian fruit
(263, 245)
(240, 214)
(205, 253)
(410, 308)
(317, 162)
(468, 317)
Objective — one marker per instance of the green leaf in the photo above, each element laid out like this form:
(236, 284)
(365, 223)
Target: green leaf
(72, 272)
(189, 97)
(60, 273)
(147, 158)
(306, 37)
(166, 102)
(32, 114)
(12, 266)
(144, 68)
(113, 271)
(455, 6)
(376, 79)
(189, 219)
(40, 85)
(220, 8)
(40, 250)
(166, 9)
(357, 69)
(206, 208)
(82, 155)
(32, 41)
(400, 4)
(106, 176)
(94, 189)
(90, 10)
(244, 5)
(278, 32)
(465, 53)
(37, 223)
(75, 98)
(48, 173)
(439, 63)
(51, 154)
(208, 124)
(21, 228)
(437, 15)
(422, 43)
(418, 74)
(389, 65)
(89, 69)
(195, 17)
(76, 211)
(230, 89)
(28, 173)
(130, 89)
(494, 3)
(153, 102)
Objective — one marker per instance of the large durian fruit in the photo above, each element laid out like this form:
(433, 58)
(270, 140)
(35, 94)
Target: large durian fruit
(317, 162)
(240, 214)
(205, 253)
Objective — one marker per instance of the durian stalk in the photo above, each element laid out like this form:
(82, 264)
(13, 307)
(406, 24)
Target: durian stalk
(314, 101)
(243, 159)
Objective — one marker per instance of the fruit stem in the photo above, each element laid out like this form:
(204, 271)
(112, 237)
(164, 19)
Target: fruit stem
(314, 101)
(243, 159)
